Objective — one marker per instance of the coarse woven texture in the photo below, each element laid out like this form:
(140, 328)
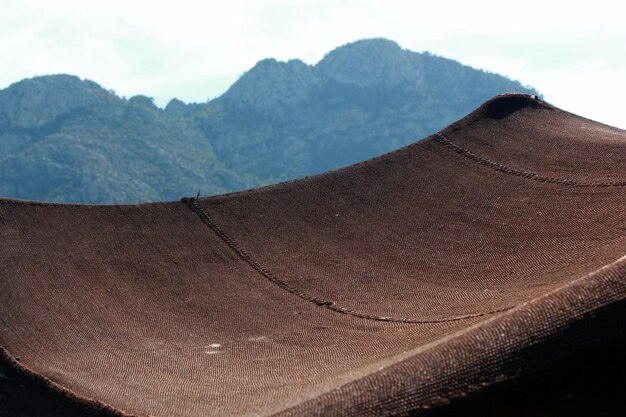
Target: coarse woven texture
(480, 271)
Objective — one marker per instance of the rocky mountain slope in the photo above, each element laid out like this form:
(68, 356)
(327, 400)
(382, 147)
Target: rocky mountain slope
(63, 139)
(284, 120)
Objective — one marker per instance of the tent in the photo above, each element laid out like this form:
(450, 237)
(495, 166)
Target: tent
(479, 271)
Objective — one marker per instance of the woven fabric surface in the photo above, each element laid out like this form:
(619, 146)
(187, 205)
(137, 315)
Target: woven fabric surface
(461, 265)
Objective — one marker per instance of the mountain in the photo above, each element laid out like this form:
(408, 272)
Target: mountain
(67, 139)
(64, 139)
(283, 120)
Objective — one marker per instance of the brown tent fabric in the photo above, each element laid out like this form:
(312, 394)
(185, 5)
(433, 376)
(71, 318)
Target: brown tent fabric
(480, 271)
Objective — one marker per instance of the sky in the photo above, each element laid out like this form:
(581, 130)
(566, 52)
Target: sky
(573, 52)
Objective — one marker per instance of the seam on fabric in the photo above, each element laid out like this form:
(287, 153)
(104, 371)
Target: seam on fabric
(443, 139)
(245, 256)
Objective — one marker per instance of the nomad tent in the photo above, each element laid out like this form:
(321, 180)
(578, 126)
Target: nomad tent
(479, 271)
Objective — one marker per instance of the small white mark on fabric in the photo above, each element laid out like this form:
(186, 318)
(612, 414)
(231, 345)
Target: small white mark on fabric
(212, 349)
(259, 339)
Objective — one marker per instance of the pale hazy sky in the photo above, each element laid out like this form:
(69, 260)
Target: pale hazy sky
(573, 52)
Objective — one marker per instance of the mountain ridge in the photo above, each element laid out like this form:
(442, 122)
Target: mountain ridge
(67, 139)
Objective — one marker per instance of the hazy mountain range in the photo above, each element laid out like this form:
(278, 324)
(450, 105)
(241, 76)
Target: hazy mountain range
(67, 139)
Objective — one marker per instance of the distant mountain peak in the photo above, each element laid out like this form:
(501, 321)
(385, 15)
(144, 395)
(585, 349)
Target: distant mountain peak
(142, 101)
(273, 83)
(37, 101)
(368, 62)
(371, 43)
(176, 107)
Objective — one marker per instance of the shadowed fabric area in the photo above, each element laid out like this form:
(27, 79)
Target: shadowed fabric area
(480, 271)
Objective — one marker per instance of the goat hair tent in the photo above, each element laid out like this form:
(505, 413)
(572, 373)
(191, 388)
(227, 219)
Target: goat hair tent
(480, 271)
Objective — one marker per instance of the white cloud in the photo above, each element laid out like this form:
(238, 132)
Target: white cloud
(574, 53)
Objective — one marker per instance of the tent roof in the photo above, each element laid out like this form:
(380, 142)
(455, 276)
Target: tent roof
(395, 285)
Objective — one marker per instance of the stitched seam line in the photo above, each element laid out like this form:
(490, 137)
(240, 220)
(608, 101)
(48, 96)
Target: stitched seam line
(210, 222)
(442, 139)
